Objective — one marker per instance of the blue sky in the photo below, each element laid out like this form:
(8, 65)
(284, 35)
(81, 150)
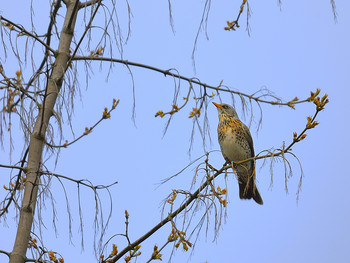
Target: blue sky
(291, 52)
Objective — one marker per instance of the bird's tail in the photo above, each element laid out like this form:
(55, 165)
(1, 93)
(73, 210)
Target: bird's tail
(250, 191)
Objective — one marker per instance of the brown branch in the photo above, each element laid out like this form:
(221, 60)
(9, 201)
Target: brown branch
(88, 3)
(13, 192)
(154, 255)
(24, 31)
(234, 24)
(241, 10)
(13, 167)
(5, 252)
(80, 181)
(192, 197)
(106, 115)
(296, 139)
(168, 72)
(85, 32)
(281, 151)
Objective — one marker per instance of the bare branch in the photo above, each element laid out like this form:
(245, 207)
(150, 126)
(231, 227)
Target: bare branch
(106, 115)
(80, 181)
(87, 28)
(12, 167)
(192, 197)
(88, 3)
(16, 185)
(190, 80)
(5, 252)
(23, 31)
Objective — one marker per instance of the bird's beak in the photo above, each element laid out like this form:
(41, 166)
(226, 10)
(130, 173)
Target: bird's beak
(217, 105)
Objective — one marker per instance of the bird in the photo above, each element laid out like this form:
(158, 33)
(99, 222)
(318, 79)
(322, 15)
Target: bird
(236, 145)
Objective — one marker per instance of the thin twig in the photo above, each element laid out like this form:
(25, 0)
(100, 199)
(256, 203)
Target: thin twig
(79, 181)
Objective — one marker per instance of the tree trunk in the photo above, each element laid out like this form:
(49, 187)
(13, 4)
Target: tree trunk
(37, 143)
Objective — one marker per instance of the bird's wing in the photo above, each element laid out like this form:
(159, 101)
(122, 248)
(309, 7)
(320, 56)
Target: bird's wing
(249, 139)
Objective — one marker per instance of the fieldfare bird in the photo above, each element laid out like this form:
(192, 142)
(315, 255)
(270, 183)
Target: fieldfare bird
(236, 145)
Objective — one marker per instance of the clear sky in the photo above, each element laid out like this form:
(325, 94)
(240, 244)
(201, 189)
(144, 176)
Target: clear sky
(290, 52)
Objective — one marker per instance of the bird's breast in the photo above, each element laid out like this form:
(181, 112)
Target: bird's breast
(233, 144)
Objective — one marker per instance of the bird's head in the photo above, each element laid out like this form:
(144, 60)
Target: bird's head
(225, 109)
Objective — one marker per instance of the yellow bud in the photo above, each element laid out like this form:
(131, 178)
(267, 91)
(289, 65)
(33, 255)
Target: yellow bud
(114, 251)
(87, 131)
(184, 245)
(302, 137)
(160, 113)
(313, 95)
(224, 203)
(106, 114)
(137, 247)
(52, 256)
(295, 135)
(115, 103)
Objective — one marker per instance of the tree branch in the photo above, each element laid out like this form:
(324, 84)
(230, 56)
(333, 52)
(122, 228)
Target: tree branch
(24, 31)
(83, 36)
(168, 72)
(5, 252)
(12, 167)
(16, 186)
(106, 115)
(80, 181)
(193, 197)
(88, 3)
